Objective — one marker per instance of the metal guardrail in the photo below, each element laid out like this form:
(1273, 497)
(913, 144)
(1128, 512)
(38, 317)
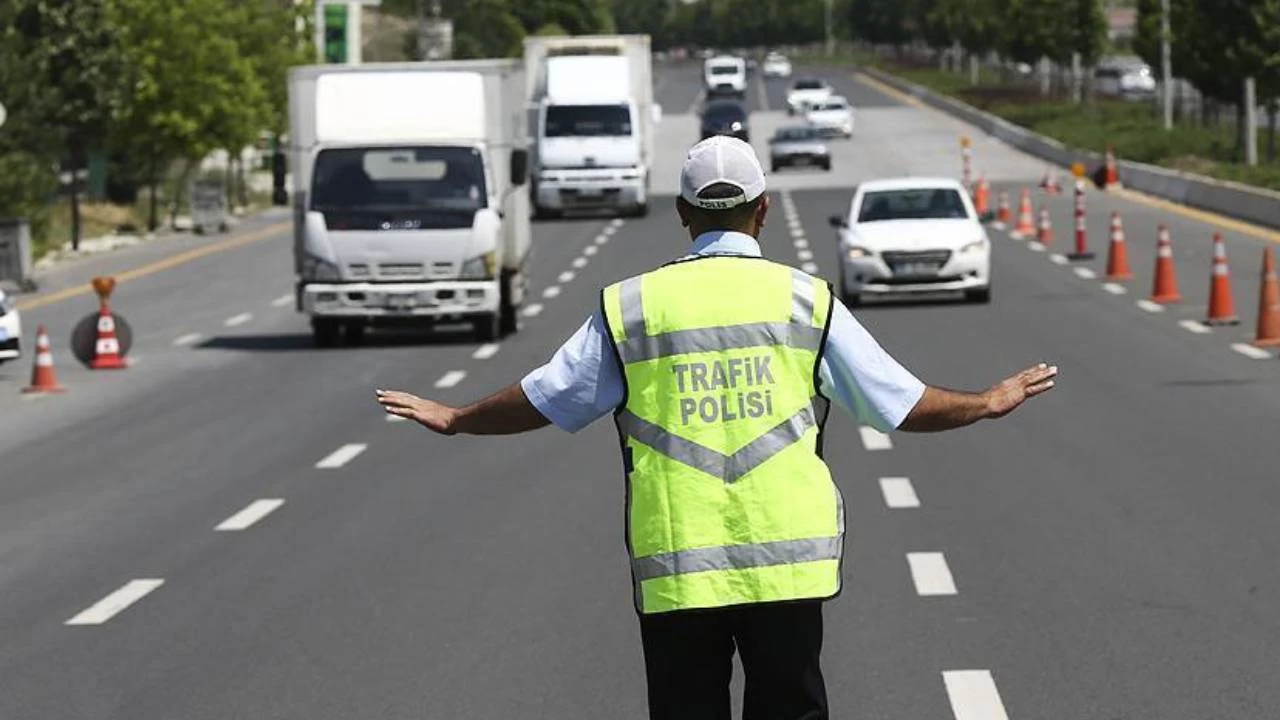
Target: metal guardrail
(15, 254)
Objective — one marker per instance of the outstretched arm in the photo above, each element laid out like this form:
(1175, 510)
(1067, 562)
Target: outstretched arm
(941, 409)
(505, 412)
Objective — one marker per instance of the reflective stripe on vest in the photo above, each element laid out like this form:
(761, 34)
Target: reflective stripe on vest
(721, 394)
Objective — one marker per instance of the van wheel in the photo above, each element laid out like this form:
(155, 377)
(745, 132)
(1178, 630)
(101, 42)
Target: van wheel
(641, 210)
(488, 327)
(325, 332)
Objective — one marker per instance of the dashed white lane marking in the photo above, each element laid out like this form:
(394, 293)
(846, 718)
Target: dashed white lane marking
(451, 378)
(973, 695)
(580, 262)
(801, 244)
(566, 276)
(551, 291)
(188, 339)
(1195, 326)
(1085, 273)
(1250, 351)
(252, 513)
(1151, 307)
(810, 268)
(601, 239)
(282, 300)
(1114, 288)
(797, 232)
(898, 493)
(610, 230)
(804, 254)
(793, 222)
(1036, 246)
(1058, 258)
(236, 320)
(590, 250)
(484, 352)
(873, 439)
(616, 223)
(930, 573)
(342, 456)
(532, 310)
(115, 603)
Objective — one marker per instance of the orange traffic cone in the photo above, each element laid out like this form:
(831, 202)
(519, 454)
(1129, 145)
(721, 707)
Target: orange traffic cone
(1165, 289)
(43, 379)
(1268, 334)
(1050, 182)
(1222, 305)
(1003, 213)
(982, 196)
(106, 351)
(1044, 233)
(1026, 226)
(1111, 177)
(1117, 252)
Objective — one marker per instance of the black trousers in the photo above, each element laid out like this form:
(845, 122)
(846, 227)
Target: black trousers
(688, 659)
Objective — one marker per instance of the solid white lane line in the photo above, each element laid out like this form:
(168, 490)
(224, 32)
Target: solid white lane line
(804, 255)
(898, 493)
(590, 250)
(1195, 326)
(1149, 306)
(973, 695)
(566, 276)
(1115, 288)
(810, 268)
(1250, 351)
(1058, 258)
(801, 244)
(252, 513)
(873, 439)
(551, 291)
(451, 378)
(341, 456)
(113, 604)
(1085, 273)
(484, 352)
(188, 339)
(930, 573)
(580, 262)
(532, 310)
(240, 319)
(282, 300)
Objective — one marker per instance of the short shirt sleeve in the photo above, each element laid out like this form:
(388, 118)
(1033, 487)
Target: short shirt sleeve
(859, 376)
(581, 383)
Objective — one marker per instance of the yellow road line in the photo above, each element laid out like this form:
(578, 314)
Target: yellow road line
(158, 266)
(1205, 216)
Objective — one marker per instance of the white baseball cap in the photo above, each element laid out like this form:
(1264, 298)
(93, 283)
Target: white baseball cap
(721, 159)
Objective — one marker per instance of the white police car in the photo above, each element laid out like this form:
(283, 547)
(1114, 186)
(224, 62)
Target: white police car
(10, 329)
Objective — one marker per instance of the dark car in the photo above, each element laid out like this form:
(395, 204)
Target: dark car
(725, 117)
(800, 145)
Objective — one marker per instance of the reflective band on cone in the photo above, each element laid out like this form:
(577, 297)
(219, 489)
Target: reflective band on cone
(1118, 252)
(106, 353)
(1026, 222)
(1222, 306)
(43, 379)
(1165, 289)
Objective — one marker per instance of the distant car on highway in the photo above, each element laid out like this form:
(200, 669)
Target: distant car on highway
(776, 65)
(725, 117)
(725, 75)
(912, 235)
(805, 92)
(1127, 78)
(798, 145)
(10, 329)
(831, 117)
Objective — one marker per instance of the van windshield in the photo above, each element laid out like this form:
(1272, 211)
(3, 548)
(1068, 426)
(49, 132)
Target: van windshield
(444, 179)
(588, 121)
(724, 69)
(921, 204)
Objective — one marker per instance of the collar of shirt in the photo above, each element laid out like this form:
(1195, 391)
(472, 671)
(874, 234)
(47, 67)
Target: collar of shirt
(725, 242)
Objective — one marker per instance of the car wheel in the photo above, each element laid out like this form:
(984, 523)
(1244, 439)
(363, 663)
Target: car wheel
(826, 166)
(773, 167)
(982, 296)
(641, 210)
(325, 332)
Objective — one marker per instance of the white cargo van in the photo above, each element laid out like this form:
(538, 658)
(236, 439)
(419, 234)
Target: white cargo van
(407, 200)
(592, 114)
(725, 75)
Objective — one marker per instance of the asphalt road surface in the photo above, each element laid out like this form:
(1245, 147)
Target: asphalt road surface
(1107, 552)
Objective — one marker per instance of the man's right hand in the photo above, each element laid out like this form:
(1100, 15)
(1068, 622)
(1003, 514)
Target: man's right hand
(428, 413)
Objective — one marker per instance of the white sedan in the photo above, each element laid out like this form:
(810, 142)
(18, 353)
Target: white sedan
(776, 65)
(912, 235)
(805, 92)
(831, 117)
(10, 329)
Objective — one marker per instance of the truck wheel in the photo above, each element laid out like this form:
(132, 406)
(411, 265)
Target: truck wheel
(325, 332)
(542, 213)
(355, 333)
(488, 327)
(641, 210)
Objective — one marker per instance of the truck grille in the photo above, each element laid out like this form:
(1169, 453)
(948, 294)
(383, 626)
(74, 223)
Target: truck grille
(401, 270)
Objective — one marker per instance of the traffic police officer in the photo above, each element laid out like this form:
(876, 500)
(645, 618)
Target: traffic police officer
(719, 368)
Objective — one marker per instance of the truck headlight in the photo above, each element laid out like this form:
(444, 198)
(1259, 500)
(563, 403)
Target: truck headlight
(973, 247)
(857, 253)
(480, 268)
(319, 270)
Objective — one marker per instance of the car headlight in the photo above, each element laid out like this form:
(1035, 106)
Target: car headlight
(319, 270)
(857, 253)
(973, 247)
(480, 268)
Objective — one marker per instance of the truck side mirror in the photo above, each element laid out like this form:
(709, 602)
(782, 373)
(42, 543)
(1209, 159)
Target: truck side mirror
(519, 167)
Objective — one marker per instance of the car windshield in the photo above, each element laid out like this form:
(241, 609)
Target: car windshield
(808, 85)
(724, 111)
(399, 178)
(724, 69)
(832, 105)
(914, 204)
(588, 121)
(797, 133)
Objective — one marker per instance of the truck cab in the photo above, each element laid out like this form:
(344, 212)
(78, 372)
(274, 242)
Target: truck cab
(725, 75)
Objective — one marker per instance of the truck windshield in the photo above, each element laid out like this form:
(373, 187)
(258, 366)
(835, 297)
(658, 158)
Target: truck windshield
(588, 121)
(444, 179)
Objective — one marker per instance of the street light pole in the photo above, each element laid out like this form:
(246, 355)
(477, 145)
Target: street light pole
(830, 31)
(1166, 65)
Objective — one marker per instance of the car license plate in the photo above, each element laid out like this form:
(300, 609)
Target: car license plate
(591, 192)
(916, 269)
(402, 303)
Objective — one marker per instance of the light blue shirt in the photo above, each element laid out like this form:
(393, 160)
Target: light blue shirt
(583, 383)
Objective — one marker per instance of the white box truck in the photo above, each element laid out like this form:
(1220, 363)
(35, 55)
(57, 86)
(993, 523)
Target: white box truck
(592, 117)
(407, 193)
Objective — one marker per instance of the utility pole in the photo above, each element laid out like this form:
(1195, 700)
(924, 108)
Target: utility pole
(830, 30)
(1250, 122)
(1166, 66)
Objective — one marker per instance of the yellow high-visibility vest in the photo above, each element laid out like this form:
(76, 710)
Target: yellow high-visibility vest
(728, 499)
